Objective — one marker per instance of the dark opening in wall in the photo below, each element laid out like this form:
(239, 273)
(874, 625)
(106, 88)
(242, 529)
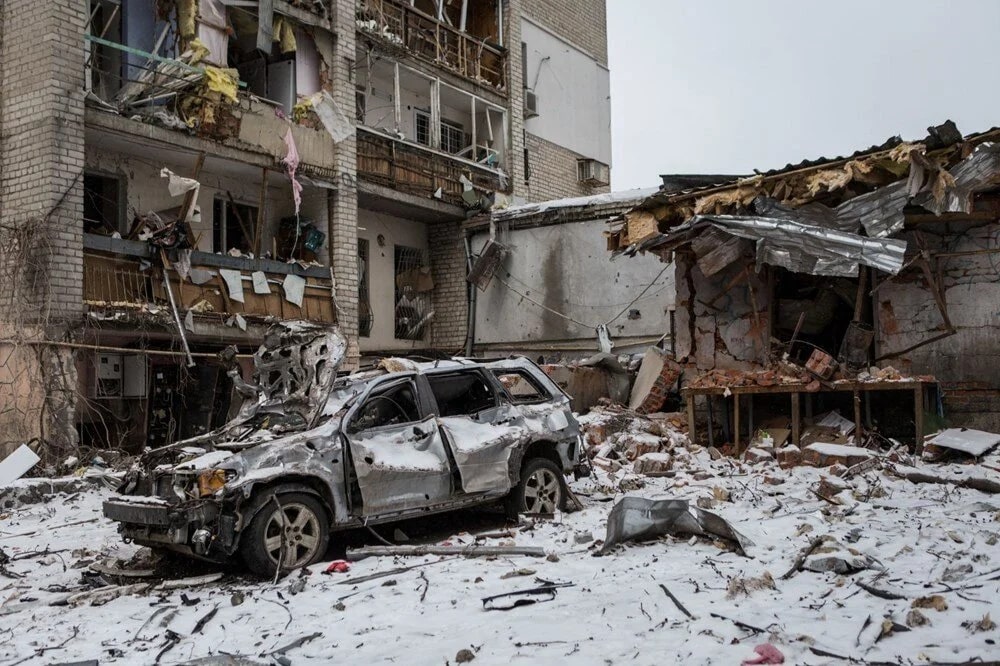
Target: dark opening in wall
(103, 203)
(232, 226)
(365, 316)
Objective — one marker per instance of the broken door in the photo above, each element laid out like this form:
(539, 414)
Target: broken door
(480, 429)
(398, 454)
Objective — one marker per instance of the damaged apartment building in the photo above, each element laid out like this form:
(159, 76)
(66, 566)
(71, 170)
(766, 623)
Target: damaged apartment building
(865, 285)
(178, 174)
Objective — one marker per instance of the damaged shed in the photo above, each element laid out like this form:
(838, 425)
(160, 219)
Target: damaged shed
(860, 274)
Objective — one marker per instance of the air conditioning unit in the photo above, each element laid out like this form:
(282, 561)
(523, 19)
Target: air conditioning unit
(530, 104)
(593, 173)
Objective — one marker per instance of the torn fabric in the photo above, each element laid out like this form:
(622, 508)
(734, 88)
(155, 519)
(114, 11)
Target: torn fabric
(637, 518)
(178, 185)
(291, 162)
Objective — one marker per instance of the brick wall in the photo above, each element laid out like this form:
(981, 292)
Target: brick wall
(41, 211)
(41, 148)
(343, 204)
(553, 172)
(450, 296)
(582, 22)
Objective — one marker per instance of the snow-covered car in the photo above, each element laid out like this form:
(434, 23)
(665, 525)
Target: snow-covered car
(310, 454)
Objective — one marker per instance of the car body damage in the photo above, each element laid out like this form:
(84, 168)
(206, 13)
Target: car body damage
(403, 440)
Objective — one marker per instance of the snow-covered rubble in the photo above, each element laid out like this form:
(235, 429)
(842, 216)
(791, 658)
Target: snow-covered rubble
(907, 573)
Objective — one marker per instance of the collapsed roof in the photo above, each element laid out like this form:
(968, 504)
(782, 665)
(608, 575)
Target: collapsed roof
(828, 216)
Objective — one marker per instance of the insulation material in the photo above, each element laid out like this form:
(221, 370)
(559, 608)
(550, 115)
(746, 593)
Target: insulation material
(294, 287)
(284, 34)
(223, 81)
(234, 283)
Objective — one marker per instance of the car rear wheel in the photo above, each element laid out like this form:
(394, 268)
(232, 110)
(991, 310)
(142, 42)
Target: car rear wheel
(289, 533)
(540, 490)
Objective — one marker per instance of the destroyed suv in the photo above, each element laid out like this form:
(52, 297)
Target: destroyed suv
(310, 454)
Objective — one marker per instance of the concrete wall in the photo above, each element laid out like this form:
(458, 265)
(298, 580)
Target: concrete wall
(967, 363)
(382, 277)
(574, 94)
(567, 268)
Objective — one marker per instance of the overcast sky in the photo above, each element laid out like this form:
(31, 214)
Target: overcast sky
(726, 86)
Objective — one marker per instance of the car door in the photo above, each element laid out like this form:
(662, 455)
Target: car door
(480, 429)
(398, 455)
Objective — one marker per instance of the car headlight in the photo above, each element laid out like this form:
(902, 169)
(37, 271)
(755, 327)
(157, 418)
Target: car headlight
(211, 480)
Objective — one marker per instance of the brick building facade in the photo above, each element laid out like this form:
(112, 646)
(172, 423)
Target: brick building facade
(103, 329)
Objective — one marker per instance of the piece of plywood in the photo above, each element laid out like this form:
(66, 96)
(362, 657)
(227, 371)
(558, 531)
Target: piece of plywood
(641, 225)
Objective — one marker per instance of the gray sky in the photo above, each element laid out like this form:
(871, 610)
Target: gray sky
(713, 86)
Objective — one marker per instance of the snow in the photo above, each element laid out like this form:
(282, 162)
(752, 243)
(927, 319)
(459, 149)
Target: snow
(615, 613)
(973, 442)
(839, 450)
(622, 196)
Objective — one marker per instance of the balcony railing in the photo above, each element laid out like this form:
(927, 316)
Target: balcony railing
(118, 274)
(399, 24)
(410, 168)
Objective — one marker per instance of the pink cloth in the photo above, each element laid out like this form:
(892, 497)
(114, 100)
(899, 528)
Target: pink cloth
(338, 566)
(291, 162)
(766, 654)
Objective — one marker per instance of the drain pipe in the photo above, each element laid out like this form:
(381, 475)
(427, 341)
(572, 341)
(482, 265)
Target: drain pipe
(470, 324)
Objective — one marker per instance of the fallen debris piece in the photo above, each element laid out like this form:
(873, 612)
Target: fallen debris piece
(824, 454)
(766, 654)
(464, 656)
(834, 557)
(677, 602)
(979, 483)
(746, 586)
(973, 442)
(534, 595)
(195, 581)
(294, 644)
(985, 624)
(916, 619)
(466, 551)
(16, 465)
(935, 601)
(638, 518)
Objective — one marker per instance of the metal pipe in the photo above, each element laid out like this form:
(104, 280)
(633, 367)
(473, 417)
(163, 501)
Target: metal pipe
(177, 320)
(470, 326)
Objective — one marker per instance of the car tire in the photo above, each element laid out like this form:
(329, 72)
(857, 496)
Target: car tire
(297, 532)
(541, 489)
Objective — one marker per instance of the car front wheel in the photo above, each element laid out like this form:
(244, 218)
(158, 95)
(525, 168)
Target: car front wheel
(290, 531)
(540, 490)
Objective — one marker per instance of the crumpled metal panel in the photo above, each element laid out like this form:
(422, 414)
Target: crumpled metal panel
(979, 171)
(638, 518)
(804, 248)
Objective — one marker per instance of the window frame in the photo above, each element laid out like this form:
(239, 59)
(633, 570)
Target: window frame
(497, 398)
(378, 390)
(543, 394)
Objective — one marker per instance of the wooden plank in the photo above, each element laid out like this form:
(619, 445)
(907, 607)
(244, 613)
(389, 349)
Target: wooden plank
(722, 256)
(692, 432)
(736, 423)
(796, 418)
(858, 431)
(918, 419)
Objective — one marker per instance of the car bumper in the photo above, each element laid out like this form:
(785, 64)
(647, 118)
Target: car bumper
(197, 528)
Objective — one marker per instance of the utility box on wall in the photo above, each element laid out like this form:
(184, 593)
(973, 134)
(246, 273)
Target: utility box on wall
(118, 376)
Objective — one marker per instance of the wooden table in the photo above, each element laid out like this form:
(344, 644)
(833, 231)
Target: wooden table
(796, 390)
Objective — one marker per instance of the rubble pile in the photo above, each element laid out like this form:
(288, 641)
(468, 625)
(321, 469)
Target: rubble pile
(651, 444)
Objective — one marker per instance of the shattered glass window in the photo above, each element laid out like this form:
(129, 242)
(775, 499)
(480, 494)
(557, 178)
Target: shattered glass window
(521, 387)
(395, 405)
(461, 393)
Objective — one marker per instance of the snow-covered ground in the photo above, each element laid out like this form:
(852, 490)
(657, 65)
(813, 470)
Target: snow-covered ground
(923, 540)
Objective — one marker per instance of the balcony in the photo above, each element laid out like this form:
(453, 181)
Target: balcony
(125, 276)
(473, 50)
(414, 169)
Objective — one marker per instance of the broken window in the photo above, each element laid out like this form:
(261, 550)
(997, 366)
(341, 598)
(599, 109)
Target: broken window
(521, 387)
(232, 226)
(394, 405)
(413, 287)
(103, 203)
(464, 393)
(453, 137)
(365, 318)
(284, 72)
(104, 62)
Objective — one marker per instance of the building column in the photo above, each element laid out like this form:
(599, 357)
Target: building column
(42, 54)
(343, 204)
